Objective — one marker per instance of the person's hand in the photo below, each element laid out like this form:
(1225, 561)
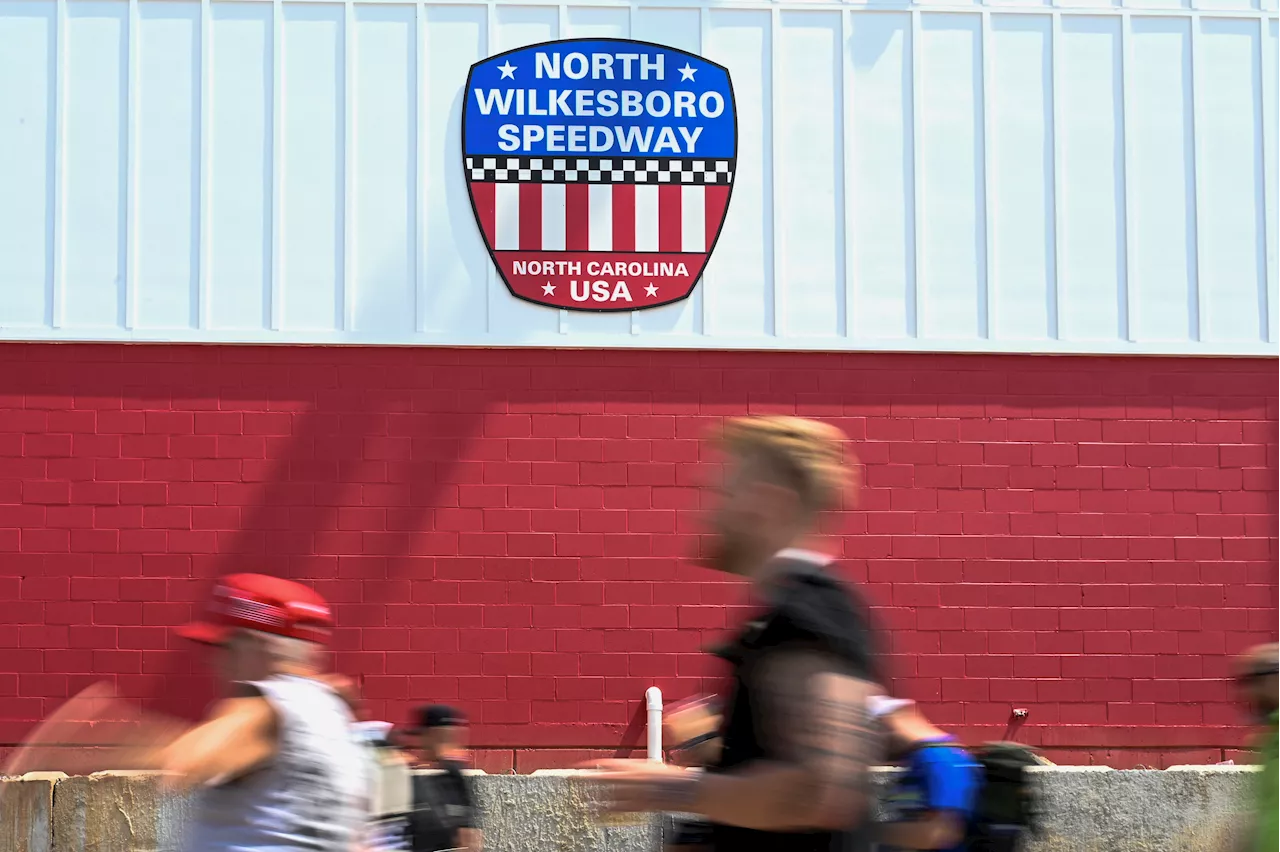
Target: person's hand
(689, 732)
(642, 785)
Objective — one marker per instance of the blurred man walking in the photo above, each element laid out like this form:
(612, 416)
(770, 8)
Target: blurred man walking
(797, 736)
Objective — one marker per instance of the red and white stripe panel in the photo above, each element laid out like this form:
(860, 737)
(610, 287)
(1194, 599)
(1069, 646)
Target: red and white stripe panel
(600, 217)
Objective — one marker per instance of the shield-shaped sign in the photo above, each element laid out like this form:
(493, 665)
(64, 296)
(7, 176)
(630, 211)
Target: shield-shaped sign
(599, 170)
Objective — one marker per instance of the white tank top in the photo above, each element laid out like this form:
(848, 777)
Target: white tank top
(313, 795)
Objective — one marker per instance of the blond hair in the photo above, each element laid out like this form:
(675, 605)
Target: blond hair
(806, 455)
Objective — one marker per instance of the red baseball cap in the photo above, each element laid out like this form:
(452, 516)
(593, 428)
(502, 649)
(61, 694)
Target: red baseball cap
(263, 603)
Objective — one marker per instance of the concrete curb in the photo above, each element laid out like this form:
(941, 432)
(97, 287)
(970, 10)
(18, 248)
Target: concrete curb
(110, 811)
(1087, 809)
(26, 804)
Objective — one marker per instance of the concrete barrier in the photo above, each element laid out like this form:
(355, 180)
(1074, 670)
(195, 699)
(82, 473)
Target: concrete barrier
(1184, 809)
(557, 811)
(116, 812)
(26, 812)
(1087, 809)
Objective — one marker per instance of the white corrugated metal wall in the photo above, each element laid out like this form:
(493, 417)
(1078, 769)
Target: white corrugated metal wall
(1012, 177)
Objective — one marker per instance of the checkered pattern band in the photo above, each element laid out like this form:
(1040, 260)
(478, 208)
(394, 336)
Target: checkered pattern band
(502, 169)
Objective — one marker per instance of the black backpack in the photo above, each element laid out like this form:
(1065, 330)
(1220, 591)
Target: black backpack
(1007, 807)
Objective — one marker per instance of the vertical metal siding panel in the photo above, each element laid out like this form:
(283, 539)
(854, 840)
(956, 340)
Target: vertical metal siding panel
(275, 314)
(915, 306)
(1162, 172)
(517, 26)
(1196, 305)
(807, 211)
(881, 233)
(167, 157)
(776, 190)
(1020, 117)
(457, 264)
(1057, 182)
(1229, 171)
(28, 116)
(129, 298)
(682, 29)
(986, 284)
(384, 202)
(240, 167)
(846, 191)
(951, 156)
(1130, 311)
(96, 169)
(1090, 150)
(599, 22)
(58, 279)
(1270, 30)
(349, 116)
(420, 186)
(205, 132)
(312, 116)
(740, 40)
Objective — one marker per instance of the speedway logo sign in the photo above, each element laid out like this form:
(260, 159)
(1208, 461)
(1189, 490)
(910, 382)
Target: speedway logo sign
(599, 170)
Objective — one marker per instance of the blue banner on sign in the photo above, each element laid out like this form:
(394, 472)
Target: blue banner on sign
(599, 98)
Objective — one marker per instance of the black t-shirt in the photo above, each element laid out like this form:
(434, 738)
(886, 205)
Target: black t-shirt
(442, 804)
(809, 608)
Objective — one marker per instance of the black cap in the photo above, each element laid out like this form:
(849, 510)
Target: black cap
(437, 716)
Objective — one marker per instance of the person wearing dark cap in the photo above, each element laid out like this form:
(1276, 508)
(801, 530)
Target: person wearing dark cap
(444, 811)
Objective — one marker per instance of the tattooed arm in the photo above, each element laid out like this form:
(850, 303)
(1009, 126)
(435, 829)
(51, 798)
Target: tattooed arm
(819, 740)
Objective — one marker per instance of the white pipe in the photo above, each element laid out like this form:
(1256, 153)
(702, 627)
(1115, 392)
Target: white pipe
(653, 703)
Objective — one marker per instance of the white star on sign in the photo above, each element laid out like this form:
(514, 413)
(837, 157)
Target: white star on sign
(509, 70)
(548, 289)
(651, 290)
(687, 72)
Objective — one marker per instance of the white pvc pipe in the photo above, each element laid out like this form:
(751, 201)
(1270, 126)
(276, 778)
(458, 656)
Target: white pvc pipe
(653, 704)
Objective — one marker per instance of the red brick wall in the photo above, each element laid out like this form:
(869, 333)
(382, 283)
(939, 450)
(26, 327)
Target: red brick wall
(1084, 537)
